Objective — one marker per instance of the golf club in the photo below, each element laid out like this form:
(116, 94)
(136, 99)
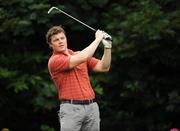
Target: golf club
(107, 36)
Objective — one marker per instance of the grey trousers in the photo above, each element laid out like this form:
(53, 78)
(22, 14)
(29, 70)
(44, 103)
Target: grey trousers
(74, 117)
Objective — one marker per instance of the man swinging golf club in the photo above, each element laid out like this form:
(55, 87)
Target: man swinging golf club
(79, 110)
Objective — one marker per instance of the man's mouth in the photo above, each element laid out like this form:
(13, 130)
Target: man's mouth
(61, 45)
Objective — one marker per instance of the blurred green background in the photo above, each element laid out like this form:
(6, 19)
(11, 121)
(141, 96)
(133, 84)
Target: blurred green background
(142, 89)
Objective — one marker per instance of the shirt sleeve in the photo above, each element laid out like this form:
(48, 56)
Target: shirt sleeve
(58, 63)
(92, 62)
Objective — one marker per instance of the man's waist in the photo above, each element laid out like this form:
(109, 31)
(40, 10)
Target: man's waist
(80, 102)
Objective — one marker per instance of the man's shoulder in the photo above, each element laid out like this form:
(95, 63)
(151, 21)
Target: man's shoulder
(54, 57)
(72, 52)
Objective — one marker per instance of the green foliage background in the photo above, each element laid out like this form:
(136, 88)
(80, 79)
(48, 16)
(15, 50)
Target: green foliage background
(141, 91)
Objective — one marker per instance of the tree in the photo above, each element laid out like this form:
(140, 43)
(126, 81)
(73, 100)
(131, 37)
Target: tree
(140, 91)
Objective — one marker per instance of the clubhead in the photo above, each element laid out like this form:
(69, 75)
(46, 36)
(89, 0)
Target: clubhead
(50, 10)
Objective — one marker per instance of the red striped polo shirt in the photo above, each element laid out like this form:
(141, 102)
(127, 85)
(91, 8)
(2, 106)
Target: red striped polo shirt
(72, 84)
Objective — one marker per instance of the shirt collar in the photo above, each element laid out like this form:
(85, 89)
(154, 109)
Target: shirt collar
(71, 52)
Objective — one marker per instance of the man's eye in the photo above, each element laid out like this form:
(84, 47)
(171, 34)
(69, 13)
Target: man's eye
(56, 40)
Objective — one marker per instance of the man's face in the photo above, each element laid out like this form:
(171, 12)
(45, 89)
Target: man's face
(59, 42)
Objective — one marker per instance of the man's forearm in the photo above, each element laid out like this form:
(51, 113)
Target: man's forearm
(106, 59)
(89, 51)
(83, 55)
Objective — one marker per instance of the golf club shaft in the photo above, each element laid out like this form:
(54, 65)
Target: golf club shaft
(71, 17)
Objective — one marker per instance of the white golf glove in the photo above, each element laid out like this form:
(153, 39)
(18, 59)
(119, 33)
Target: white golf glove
(107, 41)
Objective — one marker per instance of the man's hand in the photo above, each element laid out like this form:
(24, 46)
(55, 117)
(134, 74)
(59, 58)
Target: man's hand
(107, 37)
(107, 41)
(107, 44)
(99, 35)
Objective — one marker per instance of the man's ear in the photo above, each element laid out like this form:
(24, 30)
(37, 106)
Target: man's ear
(50, 45)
